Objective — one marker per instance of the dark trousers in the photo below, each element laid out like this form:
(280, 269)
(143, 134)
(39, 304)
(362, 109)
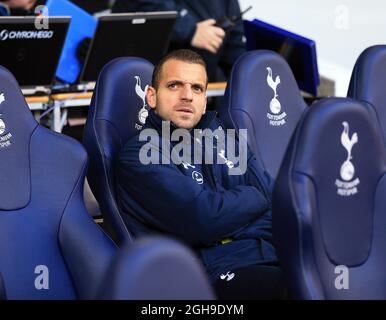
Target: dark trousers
(257, 282)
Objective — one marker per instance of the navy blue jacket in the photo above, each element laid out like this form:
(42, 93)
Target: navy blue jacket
(191, 12)
(4, 10)
(169, 199)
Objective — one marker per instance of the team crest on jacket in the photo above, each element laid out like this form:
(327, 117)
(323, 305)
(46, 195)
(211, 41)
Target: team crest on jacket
(275, 117)
(348, 185)
(229, 163)
(197, 176)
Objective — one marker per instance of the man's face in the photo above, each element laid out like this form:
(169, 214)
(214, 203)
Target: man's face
(181, 95)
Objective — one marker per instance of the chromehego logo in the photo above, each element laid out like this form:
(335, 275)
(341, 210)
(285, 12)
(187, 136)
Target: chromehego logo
(12, 34)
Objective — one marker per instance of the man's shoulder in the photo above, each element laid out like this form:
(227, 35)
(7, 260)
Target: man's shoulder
(146, 135)
(147, 138)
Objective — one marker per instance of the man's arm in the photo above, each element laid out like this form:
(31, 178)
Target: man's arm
(261, 227)
(258, 177)
(174, 203)
(234, 45)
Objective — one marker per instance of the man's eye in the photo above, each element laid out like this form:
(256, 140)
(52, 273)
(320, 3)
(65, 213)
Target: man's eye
(198, 89)
(172, 85)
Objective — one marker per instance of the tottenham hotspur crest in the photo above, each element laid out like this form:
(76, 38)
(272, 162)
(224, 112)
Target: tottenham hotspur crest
(2, 126)
(275, 117)
(143, 113)
(5, 138)
(347, 186)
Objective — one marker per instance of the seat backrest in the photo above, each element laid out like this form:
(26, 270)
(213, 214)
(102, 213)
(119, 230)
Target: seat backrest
(117, 111)
(368, 81)
(158, 268)
(42, 214)
(263, 97)
(329, 205)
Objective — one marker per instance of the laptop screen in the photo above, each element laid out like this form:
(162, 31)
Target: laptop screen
(298, 51)
(145, 35)
(32, 54)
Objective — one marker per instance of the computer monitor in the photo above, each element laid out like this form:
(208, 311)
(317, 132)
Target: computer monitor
(299, 52)
(32, 54)
(145, 35)
(82, 26)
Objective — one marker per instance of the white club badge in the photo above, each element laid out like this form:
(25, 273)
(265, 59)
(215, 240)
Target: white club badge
(2, 126)
(275, 117)
(143, 112)
(347, 186)
(5, 139)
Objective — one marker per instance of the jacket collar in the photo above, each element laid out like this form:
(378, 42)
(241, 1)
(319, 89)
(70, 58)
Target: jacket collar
(155, 121)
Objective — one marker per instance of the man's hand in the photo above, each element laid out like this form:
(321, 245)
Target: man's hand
(207, 36)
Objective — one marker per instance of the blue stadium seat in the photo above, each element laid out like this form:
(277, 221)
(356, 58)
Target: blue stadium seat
(159, 269)
(368, 83)
(263, 97)
(329, 205)
(117, 112)
(51, 248)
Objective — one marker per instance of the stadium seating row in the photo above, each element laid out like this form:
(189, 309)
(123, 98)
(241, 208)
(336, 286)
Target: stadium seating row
(328, 160)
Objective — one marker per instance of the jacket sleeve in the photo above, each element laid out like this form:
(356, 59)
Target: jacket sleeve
(258, 177)
(261, 227)
(173, 203)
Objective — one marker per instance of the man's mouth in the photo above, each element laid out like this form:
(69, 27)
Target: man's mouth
(185, 110)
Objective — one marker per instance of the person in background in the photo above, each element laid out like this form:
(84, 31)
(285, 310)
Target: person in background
(196, 29)
(15, 7)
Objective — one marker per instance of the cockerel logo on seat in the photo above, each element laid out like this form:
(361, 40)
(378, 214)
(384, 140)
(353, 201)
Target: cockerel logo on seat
(275, 117)
(143, 112)
(348, 186)
(5, 138)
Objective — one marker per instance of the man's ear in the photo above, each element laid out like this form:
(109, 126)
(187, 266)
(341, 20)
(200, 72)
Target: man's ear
(151, 97)
(206, 102)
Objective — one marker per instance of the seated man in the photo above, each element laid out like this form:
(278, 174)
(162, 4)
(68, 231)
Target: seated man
(222, 211)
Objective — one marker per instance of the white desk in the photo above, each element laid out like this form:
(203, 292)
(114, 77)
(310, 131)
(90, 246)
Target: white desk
(60, 102)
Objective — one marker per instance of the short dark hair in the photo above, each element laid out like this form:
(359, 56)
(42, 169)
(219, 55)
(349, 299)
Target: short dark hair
(184, 55)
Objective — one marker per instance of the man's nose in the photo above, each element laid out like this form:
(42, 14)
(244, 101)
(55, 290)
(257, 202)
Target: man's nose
(187, 92)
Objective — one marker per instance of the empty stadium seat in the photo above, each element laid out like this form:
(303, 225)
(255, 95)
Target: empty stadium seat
(117, 112)
(329, 207)
(157, 269)
(50, 248)
(263, 97)
(368, 82)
